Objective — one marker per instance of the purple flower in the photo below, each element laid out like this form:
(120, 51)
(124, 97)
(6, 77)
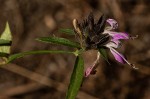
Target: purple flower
(95, 35)
(92, 69)
(115, 41)
(113, 44)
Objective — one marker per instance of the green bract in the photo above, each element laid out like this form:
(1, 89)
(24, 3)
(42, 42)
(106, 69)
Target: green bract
(103, 53)
(5, 41)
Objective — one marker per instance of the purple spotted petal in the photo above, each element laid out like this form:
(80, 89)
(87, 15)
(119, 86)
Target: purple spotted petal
(113, 23)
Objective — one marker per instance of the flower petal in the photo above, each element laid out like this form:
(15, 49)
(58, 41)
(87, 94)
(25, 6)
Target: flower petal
(117, 35)
(113, 23)
(90, 70)
(119, 57)
(117, 42)
(113, 44)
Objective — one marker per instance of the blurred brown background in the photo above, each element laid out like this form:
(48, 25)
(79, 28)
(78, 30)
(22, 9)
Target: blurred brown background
(47, 76)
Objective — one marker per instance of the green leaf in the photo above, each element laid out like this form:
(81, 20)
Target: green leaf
(61, 41)
(103, 54)
(19, 55)
(67, 31)
(76, 78)
(3, 54)
(5, 40)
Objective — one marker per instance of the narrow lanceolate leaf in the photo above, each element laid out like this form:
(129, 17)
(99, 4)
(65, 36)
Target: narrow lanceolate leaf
(103, 54)
(61, 41)
(67, 31)
(19, 55)
(5, 41)
(76, 78)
